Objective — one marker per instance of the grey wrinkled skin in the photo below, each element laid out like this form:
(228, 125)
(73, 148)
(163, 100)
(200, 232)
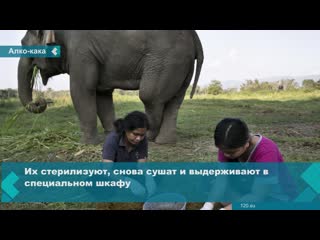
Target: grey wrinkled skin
(160, 63)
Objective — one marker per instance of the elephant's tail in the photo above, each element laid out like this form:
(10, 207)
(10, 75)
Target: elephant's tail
(199, 57)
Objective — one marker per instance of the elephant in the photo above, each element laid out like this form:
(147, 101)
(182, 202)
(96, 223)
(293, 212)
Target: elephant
(158, 63)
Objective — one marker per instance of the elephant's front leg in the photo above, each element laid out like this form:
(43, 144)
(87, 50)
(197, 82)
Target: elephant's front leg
(105, 109)
(83, 94)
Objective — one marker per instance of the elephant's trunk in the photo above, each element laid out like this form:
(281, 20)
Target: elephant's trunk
(25, 71)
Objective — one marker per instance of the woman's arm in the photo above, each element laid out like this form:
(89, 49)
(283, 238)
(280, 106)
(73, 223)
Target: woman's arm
(142, 160)
(107, 161)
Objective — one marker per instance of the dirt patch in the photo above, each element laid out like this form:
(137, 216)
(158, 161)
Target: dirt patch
(267, 111)
(293, 130)
(311, 144)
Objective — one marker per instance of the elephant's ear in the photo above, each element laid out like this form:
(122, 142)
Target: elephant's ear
(38, 33)
(50, 37)
(45, 37)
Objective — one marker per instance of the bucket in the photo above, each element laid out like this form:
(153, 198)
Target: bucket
(166, 201)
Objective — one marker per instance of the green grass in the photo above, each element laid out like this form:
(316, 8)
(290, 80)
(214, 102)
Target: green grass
(291, 119)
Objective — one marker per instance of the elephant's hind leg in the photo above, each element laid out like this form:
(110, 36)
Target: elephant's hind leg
(154, 112)
(168, 132)
(168, 129)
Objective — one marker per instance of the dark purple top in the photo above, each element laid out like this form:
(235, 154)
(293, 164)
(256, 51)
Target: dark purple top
(114, 149)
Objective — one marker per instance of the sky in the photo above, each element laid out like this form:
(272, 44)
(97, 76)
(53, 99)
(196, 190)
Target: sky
(230, 56)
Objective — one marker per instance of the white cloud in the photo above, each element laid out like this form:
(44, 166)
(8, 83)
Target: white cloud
(233, 54)
(215, 63)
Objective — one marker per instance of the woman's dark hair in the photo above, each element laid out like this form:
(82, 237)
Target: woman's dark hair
(131, 121)
(231, 133)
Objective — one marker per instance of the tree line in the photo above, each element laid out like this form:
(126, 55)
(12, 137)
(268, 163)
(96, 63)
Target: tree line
(215, 86)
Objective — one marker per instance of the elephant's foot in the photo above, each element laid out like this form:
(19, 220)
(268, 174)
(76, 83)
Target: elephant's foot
(90, 135)
(91, 140)
(106, 133)
(151, 136)
(166, 139)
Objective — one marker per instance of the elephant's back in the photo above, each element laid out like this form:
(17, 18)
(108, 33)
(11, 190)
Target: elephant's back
(143, 40)
(124, 52)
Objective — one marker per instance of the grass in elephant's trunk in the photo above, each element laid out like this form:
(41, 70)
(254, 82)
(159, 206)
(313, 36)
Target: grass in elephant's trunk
(39, 102)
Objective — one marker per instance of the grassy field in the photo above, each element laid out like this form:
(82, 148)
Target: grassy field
(291, 119)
